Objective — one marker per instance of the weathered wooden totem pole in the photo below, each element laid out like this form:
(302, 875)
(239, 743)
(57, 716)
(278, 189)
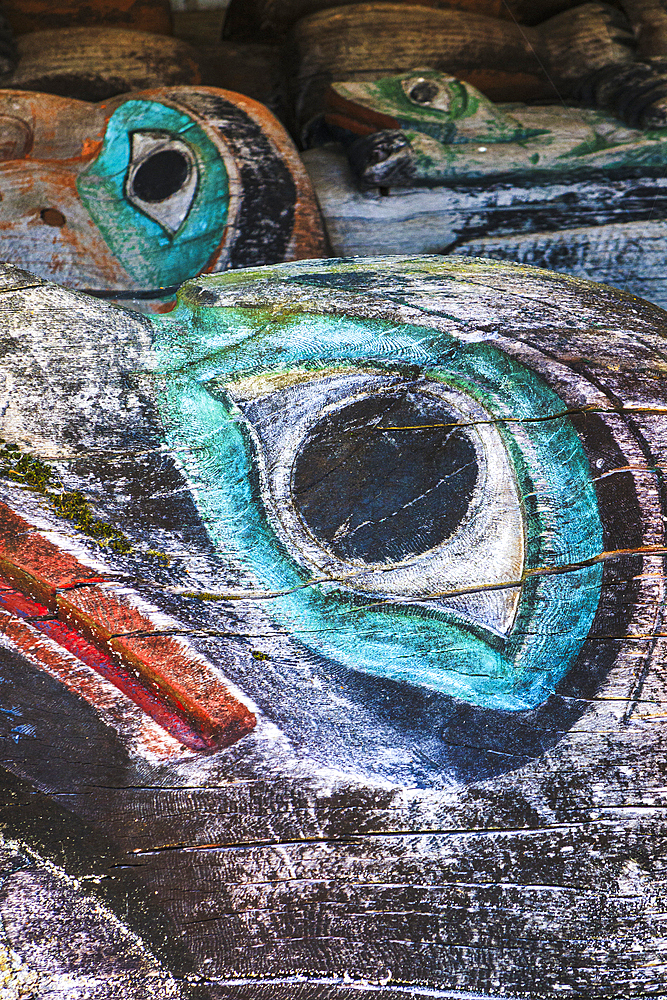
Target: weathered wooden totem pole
(132, 196)
(412, 152)
(332, 647)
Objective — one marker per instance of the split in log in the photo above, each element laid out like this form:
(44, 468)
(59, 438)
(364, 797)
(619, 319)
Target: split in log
(413, 512)
(132, 196)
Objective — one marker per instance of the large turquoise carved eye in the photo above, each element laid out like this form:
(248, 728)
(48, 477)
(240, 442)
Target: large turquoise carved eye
(405, 503)
(158, 191)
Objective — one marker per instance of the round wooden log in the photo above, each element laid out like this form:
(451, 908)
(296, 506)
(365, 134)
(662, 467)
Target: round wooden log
(371, 40)
(251, 20)
(373, 834)
(40, 15)
(92, 64)
(635, 93)
(649, 22)
(134, 195)
(583, 41)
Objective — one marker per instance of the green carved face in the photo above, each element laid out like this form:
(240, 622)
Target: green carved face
(404, 501)
(158, 191)
(438, 105)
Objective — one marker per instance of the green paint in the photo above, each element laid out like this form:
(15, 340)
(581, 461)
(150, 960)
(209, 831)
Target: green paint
(149, 252)
(470, 138)
(470, 116)
(398, 640)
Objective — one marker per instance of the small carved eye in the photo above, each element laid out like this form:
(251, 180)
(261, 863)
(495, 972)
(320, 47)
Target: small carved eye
(161, 178)
(428, 93)
(423, 92)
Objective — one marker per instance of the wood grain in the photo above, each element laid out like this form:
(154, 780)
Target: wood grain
(94, 63)
(628, 255)
(250, 20)
(373, 40)
(370, 838)
(26, 16)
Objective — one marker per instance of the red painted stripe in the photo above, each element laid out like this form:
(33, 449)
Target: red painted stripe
(18, 604)
(36, 566)
(14, 602)
(99, 625)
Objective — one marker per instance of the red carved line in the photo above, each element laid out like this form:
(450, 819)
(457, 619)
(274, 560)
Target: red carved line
(55, 594)
(21, 607)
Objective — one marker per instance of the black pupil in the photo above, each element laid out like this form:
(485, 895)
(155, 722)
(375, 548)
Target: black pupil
(374, 488)
(423, 92)
(161, 175)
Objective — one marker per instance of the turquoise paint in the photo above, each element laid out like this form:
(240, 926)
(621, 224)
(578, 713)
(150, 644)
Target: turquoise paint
(146, 250)
(420, 646)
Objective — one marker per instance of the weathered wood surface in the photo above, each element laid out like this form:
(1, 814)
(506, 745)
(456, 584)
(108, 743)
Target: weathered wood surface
(371, 837)
(629, 255)
(618, 215)
(26, 16)
(435, 129)
(505, 60)
(250, 20)
(649, 23)
(94, 63)
(59, 942)
(78, 203)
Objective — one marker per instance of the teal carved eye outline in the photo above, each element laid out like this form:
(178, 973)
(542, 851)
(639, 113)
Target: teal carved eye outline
(405, 503)
(158, 192)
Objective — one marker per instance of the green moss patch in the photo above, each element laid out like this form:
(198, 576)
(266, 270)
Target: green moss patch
(72, 505)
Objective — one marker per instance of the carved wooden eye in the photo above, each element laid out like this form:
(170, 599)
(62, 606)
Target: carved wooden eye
(405, 503)
(427, 92)
(387, 486)
(161, 178)
(423, 91)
